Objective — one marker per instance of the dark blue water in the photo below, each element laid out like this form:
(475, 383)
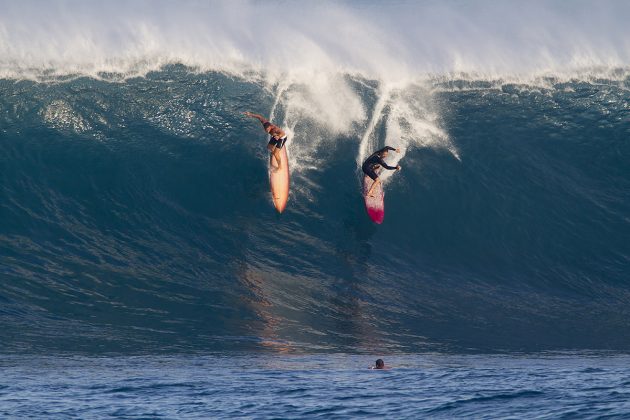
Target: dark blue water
(136, 217)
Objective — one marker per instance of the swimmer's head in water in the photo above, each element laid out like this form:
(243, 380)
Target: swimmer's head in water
(380, 364)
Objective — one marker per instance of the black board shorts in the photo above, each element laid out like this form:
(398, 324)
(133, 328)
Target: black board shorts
(277, 142)
(370, 171)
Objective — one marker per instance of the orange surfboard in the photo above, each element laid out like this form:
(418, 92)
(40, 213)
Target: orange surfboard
(279, 180)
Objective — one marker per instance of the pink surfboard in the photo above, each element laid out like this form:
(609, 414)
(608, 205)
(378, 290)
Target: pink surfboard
(279, 180)
(375, 205)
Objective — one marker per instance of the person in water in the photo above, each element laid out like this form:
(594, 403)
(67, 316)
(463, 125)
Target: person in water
(380, 364)
(277, 140)
(374, 162)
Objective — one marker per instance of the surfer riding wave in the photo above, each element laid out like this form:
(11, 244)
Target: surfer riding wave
(277, 139)
(375, 162)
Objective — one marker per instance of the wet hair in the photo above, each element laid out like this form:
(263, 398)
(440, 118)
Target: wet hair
(266, 125)
(380, 364)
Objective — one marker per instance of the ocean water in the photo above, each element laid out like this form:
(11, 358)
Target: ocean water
(138, 238)
(316, 386)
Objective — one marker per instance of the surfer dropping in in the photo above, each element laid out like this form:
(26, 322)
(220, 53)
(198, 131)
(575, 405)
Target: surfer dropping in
(374, 162)
(278, 137)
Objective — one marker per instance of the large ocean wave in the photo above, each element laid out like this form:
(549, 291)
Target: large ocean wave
(135, 213)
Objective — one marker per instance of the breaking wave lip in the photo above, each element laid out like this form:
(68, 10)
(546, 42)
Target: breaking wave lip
(388, 42)
(331, 102)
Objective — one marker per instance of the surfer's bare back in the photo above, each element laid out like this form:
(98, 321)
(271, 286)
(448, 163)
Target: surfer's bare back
(278, 136)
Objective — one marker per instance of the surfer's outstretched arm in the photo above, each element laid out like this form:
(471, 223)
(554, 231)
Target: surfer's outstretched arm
(273, 130)
(259, 117)
(386, 166)
(377, 157)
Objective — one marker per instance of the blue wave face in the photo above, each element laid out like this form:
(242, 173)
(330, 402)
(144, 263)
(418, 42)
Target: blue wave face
(136, 216)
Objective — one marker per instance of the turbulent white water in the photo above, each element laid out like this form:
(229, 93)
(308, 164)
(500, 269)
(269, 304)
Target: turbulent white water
(391, 40)
(304, 52)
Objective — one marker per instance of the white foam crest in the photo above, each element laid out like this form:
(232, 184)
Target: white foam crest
(314, 114)
(306, 50)
(386, 41)
(410, 121)
(369, 141)
(326, 99)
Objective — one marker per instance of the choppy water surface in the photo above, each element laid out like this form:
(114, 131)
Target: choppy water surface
(436, 386)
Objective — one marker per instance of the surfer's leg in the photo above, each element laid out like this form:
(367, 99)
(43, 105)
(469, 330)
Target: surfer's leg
(371, 172)
(376, 181)
(272, 147)
(276, 153)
